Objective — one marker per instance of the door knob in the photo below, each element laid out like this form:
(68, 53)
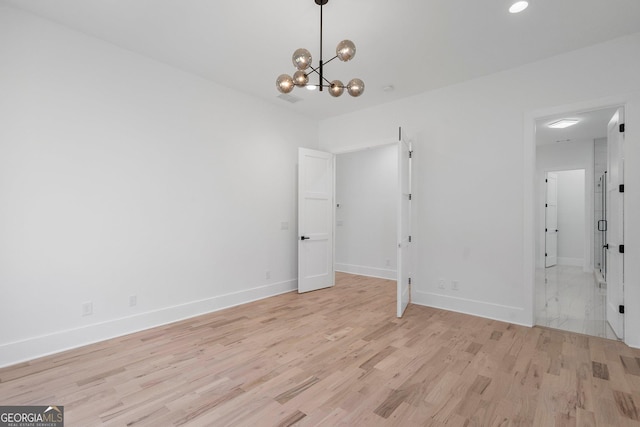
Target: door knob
(606, 246)
(304, 238)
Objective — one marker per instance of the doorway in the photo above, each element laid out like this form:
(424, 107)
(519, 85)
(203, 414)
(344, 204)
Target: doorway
(565, 210)
(366, 212)
(366, 215)
(316, 183)
(568, 291)
(373, 215)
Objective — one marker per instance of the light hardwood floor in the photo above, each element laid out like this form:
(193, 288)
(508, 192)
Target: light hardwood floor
(337, 357)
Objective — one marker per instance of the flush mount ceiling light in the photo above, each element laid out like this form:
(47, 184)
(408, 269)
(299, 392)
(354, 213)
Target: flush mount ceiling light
(519, 6)
(563, 123)
(345, 51)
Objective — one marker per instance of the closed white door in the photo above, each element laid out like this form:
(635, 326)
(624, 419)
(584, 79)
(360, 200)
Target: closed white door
(315, 220)
(404, 260)
(551, 221)
(615, 225)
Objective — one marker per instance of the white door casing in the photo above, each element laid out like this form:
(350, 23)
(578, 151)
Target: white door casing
(404, 253)
(551, 220)
(315, 219)
(615, 224)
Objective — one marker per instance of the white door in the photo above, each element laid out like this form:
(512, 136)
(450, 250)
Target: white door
(615, 224)
(551, 221)
(404, 226)
(315, 220)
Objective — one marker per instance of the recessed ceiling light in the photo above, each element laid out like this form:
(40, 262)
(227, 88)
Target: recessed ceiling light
(563, 123)
(388, 88)
(519, 6)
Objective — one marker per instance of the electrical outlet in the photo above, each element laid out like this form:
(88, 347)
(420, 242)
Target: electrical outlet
(455, 285)
(388, 263)
(440, 283)
(133, 300)
(87, 308)
(267, 275)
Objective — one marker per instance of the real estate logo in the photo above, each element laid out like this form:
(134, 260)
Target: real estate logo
(31, 416)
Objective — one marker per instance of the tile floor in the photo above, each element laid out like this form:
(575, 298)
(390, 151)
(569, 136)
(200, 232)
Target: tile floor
(569, 299)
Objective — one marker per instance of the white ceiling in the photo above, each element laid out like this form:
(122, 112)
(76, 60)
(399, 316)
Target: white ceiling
(591, 125)
(414, 45)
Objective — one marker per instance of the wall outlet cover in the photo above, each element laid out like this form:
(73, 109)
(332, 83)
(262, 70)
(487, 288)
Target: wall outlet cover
(87, 308)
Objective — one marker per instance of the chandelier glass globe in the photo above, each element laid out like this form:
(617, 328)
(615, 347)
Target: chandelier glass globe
(355, 87)
(346, 50)
(301, 59)
(336, 89)
(284, 83)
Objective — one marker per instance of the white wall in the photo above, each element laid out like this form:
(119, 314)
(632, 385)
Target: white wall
(564, 156)
(366, 190)
(474, 154)
(571, 215)
(122, 176)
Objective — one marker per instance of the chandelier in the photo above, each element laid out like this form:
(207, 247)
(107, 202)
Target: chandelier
(345, 51)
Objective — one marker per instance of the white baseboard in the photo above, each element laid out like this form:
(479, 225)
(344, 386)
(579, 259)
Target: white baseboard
(503, 313)
(366, 271)
(576, 262)
(31, 348)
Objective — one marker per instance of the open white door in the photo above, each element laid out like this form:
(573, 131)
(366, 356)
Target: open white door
(404, 261)
(615, 224)
(551, 221)
(315, 220)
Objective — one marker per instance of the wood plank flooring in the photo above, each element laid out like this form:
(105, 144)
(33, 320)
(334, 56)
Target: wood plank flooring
(337, 357)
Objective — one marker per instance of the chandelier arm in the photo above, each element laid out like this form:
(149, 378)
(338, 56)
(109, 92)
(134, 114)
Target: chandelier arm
(315, 70)
(326, 62)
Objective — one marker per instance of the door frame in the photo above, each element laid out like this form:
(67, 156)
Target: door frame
(631, 104)
(615, 236)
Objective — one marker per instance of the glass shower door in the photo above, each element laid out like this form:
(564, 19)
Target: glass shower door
(601, 241)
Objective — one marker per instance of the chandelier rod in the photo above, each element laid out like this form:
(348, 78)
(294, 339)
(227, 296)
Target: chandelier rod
(321, 64)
